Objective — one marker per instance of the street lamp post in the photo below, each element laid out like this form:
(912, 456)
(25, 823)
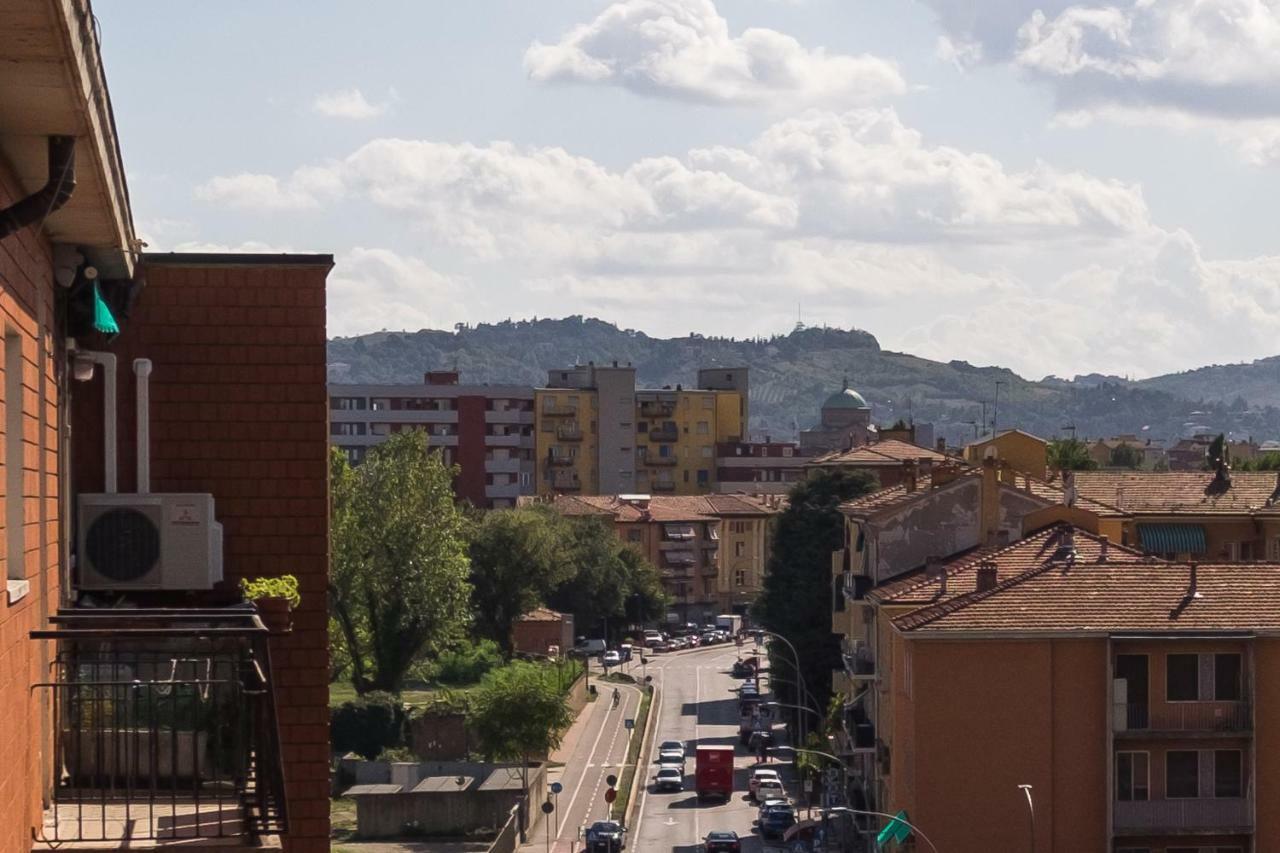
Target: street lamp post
(908, 824)
(795, 656)
(1031, 813)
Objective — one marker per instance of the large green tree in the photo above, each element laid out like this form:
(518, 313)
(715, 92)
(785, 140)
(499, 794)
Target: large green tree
(399, 569)
(518, 712)
(797, 596)
(1125, 456)
(1069, 454)
(517, 559)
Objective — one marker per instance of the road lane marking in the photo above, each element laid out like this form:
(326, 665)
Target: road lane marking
(590, 755)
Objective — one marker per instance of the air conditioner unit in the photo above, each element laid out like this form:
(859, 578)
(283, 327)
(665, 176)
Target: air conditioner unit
(149, 542)
(160, 542)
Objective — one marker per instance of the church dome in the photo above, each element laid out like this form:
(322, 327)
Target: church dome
(847, 398)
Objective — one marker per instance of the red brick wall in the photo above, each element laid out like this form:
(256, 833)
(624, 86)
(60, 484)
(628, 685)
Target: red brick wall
(239, 409)
(27, 310)
(534, 636)
(471, 476)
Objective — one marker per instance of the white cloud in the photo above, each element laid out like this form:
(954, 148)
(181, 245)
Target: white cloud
(350, 103)
(683, 49)
(247, 191)
(374, 288)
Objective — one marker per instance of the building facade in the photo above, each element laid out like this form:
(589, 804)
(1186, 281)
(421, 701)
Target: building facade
(543, 631)
(890, 461)
(596, 433)
(711, 552)
(759, 467)
(486, 430)
(844, 422)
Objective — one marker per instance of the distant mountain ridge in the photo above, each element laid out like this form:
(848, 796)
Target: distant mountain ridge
(791, 374)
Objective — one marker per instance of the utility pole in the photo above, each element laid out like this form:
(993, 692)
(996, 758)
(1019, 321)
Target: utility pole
(995, 411)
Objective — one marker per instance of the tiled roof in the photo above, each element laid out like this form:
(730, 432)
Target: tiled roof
(887, 452)
(1041, 592)
(542, 614)
(978, 442)
(1178, 492)
(663, 507)
(896, 496)
(961, 572)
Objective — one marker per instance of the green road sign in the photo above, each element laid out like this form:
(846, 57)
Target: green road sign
(895, 829)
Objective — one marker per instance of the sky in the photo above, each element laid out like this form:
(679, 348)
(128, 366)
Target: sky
(1053, 187)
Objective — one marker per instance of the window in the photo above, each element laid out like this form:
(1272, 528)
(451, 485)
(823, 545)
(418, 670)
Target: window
(740, 577)
(707, 451)
(635, 535)
(787, 451)
(686, 476)
(739, 549)
(704, 428)
(1182, 674)
(14, 511)
(1226, 677)
(1233, 552)
(348, 404)
(1133, 776)
(1227, 773)
(642, 426)
(708, 402)
(704, 476)
(1182, 774)
(1273, 549)
(837, 594)
(526, 480)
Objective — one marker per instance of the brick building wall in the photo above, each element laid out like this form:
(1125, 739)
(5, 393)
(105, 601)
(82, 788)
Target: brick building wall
(27, 312)
(471, 480)
(239, 409)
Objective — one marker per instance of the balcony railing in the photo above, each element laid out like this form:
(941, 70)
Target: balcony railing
(1225, 815)
(561, 459)
(566, 484)
(662, 486)
(1133, 717)
(858, 660)
(569, 432)
(656, 461)
(664, 434)
(164, 728)
(559, 411)
(657, 409)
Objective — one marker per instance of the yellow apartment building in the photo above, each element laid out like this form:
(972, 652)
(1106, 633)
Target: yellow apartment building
(596, 433)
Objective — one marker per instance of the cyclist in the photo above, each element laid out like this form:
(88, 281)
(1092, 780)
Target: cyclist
(615, 697)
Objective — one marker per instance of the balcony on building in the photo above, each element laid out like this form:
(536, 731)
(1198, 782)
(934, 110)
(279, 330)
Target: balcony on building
(657, 408)
(1201, 815)
(569, 432)
(1161, 690)
(664, 433)
(566, 481)
(655, 460)
(561, 459)
(1133, 719)
(163, 731)
(559, 411)
(859, 662)
(662, 486)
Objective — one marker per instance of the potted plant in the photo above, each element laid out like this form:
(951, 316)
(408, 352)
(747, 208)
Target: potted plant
(274, 599)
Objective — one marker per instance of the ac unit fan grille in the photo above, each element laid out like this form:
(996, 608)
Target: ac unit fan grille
(122, 544)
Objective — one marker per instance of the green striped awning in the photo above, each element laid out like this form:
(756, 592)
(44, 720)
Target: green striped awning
(1172, 538)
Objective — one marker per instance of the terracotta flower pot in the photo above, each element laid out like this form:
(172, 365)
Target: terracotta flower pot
(276, 614)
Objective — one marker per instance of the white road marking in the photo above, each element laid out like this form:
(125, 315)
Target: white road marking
(590, 755)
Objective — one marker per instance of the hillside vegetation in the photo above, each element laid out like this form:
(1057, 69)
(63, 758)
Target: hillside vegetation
(791, 375)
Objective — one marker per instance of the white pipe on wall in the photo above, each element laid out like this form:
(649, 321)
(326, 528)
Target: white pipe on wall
(142, 370)
(108, 362)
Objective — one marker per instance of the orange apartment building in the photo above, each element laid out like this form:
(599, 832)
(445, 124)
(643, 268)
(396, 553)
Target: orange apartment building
(128, 665)
(1136, 696)
(711, 551)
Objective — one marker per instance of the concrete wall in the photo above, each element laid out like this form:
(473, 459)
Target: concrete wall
(440, 812)
(509, 837)
(616, 395)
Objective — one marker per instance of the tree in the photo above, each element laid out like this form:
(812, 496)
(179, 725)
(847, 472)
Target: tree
(1125, 456)
(398, 578)
(517, 712)
(1069, 454)
(798, 585)
(517, 559)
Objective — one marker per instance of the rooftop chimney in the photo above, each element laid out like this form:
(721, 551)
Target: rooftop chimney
(1104, 542)
(909, 470)
(942, 446)
(986, 579)
(933, 571)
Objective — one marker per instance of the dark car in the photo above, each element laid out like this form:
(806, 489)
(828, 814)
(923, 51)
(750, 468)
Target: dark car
(605, 836)
(760, 739)
(743, 669)
(775, 821)
(722, 842)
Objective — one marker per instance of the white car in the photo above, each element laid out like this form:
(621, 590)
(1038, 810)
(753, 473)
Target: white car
(770, 789)
(670, 756)
(670, 776)
(759, 776)
(611, 658)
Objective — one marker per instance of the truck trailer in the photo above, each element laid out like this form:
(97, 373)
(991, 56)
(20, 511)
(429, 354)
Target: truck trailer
(713, 773)
(730, 622)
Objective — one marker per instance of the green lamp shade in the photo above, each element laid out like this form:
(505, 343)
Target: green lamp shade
(103, 320)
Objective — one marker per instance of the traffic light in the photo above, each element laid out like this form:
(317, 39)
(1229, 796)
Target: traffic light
(611, 793)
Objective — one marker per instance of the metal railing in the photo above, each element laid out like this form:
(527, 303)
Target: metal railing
(655, 461)
(659, 409)
(164, 727)
(561, 459)
(1205, 814)
(858, 660)
(559, 411)
(569, 432)
(662, 486)
(1183, 717)
(664, 434)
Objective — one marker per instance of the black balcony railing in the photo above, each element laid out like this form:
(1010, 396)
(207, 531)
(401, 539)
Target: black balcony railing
(164, 728)
(1231, 716)
(664, 434)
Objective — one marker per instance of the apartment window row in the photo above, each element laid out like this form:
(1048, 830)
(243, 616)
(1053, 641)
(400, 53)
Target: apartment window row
(1203, 678)
(1189, 774)
(346, 429)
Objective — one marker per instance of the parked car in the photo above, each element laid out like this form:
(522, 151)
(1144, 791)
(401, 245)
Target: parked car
(625, 651)
(770, 789)
(670, 777)
(605, 836)
(775, 822)
(742, 669)
(670, 756)
(759, 775)
(610, 658)
(652, 638)
(766, 804)
(710, 638)
(722, 842)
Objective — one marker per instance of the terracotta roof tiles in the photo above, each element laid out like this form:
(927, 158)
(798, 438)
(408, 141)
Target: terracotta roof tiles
(1178, 492)
(888, 452)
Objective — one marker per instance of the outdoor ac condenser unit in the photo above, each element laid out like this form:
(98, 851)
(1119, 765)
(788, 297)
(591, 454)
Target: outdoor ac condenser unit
(148, 541)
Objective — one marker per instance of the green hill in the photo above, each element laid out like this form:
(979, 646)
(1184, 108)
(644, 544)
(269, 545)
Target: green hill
(791, 374)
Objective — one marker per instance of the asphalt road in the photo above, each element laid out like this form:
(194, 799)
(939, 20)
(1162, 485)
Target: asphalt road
(699, 705)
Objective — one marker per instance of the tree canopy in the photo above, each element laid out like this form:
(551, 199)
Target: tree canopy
(399, 566)
(1070, 454)
(1125, 456)
(517, 712)
(798, 584)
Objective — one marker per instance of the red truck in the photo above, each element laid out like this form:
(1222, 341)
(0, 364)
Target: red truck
(714, 771)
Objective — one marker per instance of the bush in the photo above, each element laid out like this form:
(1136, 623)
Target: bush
(368, 725)
(468, 663)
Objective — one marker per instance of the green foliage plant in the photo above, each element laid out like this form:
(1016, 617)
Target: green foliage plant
(284, 586)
